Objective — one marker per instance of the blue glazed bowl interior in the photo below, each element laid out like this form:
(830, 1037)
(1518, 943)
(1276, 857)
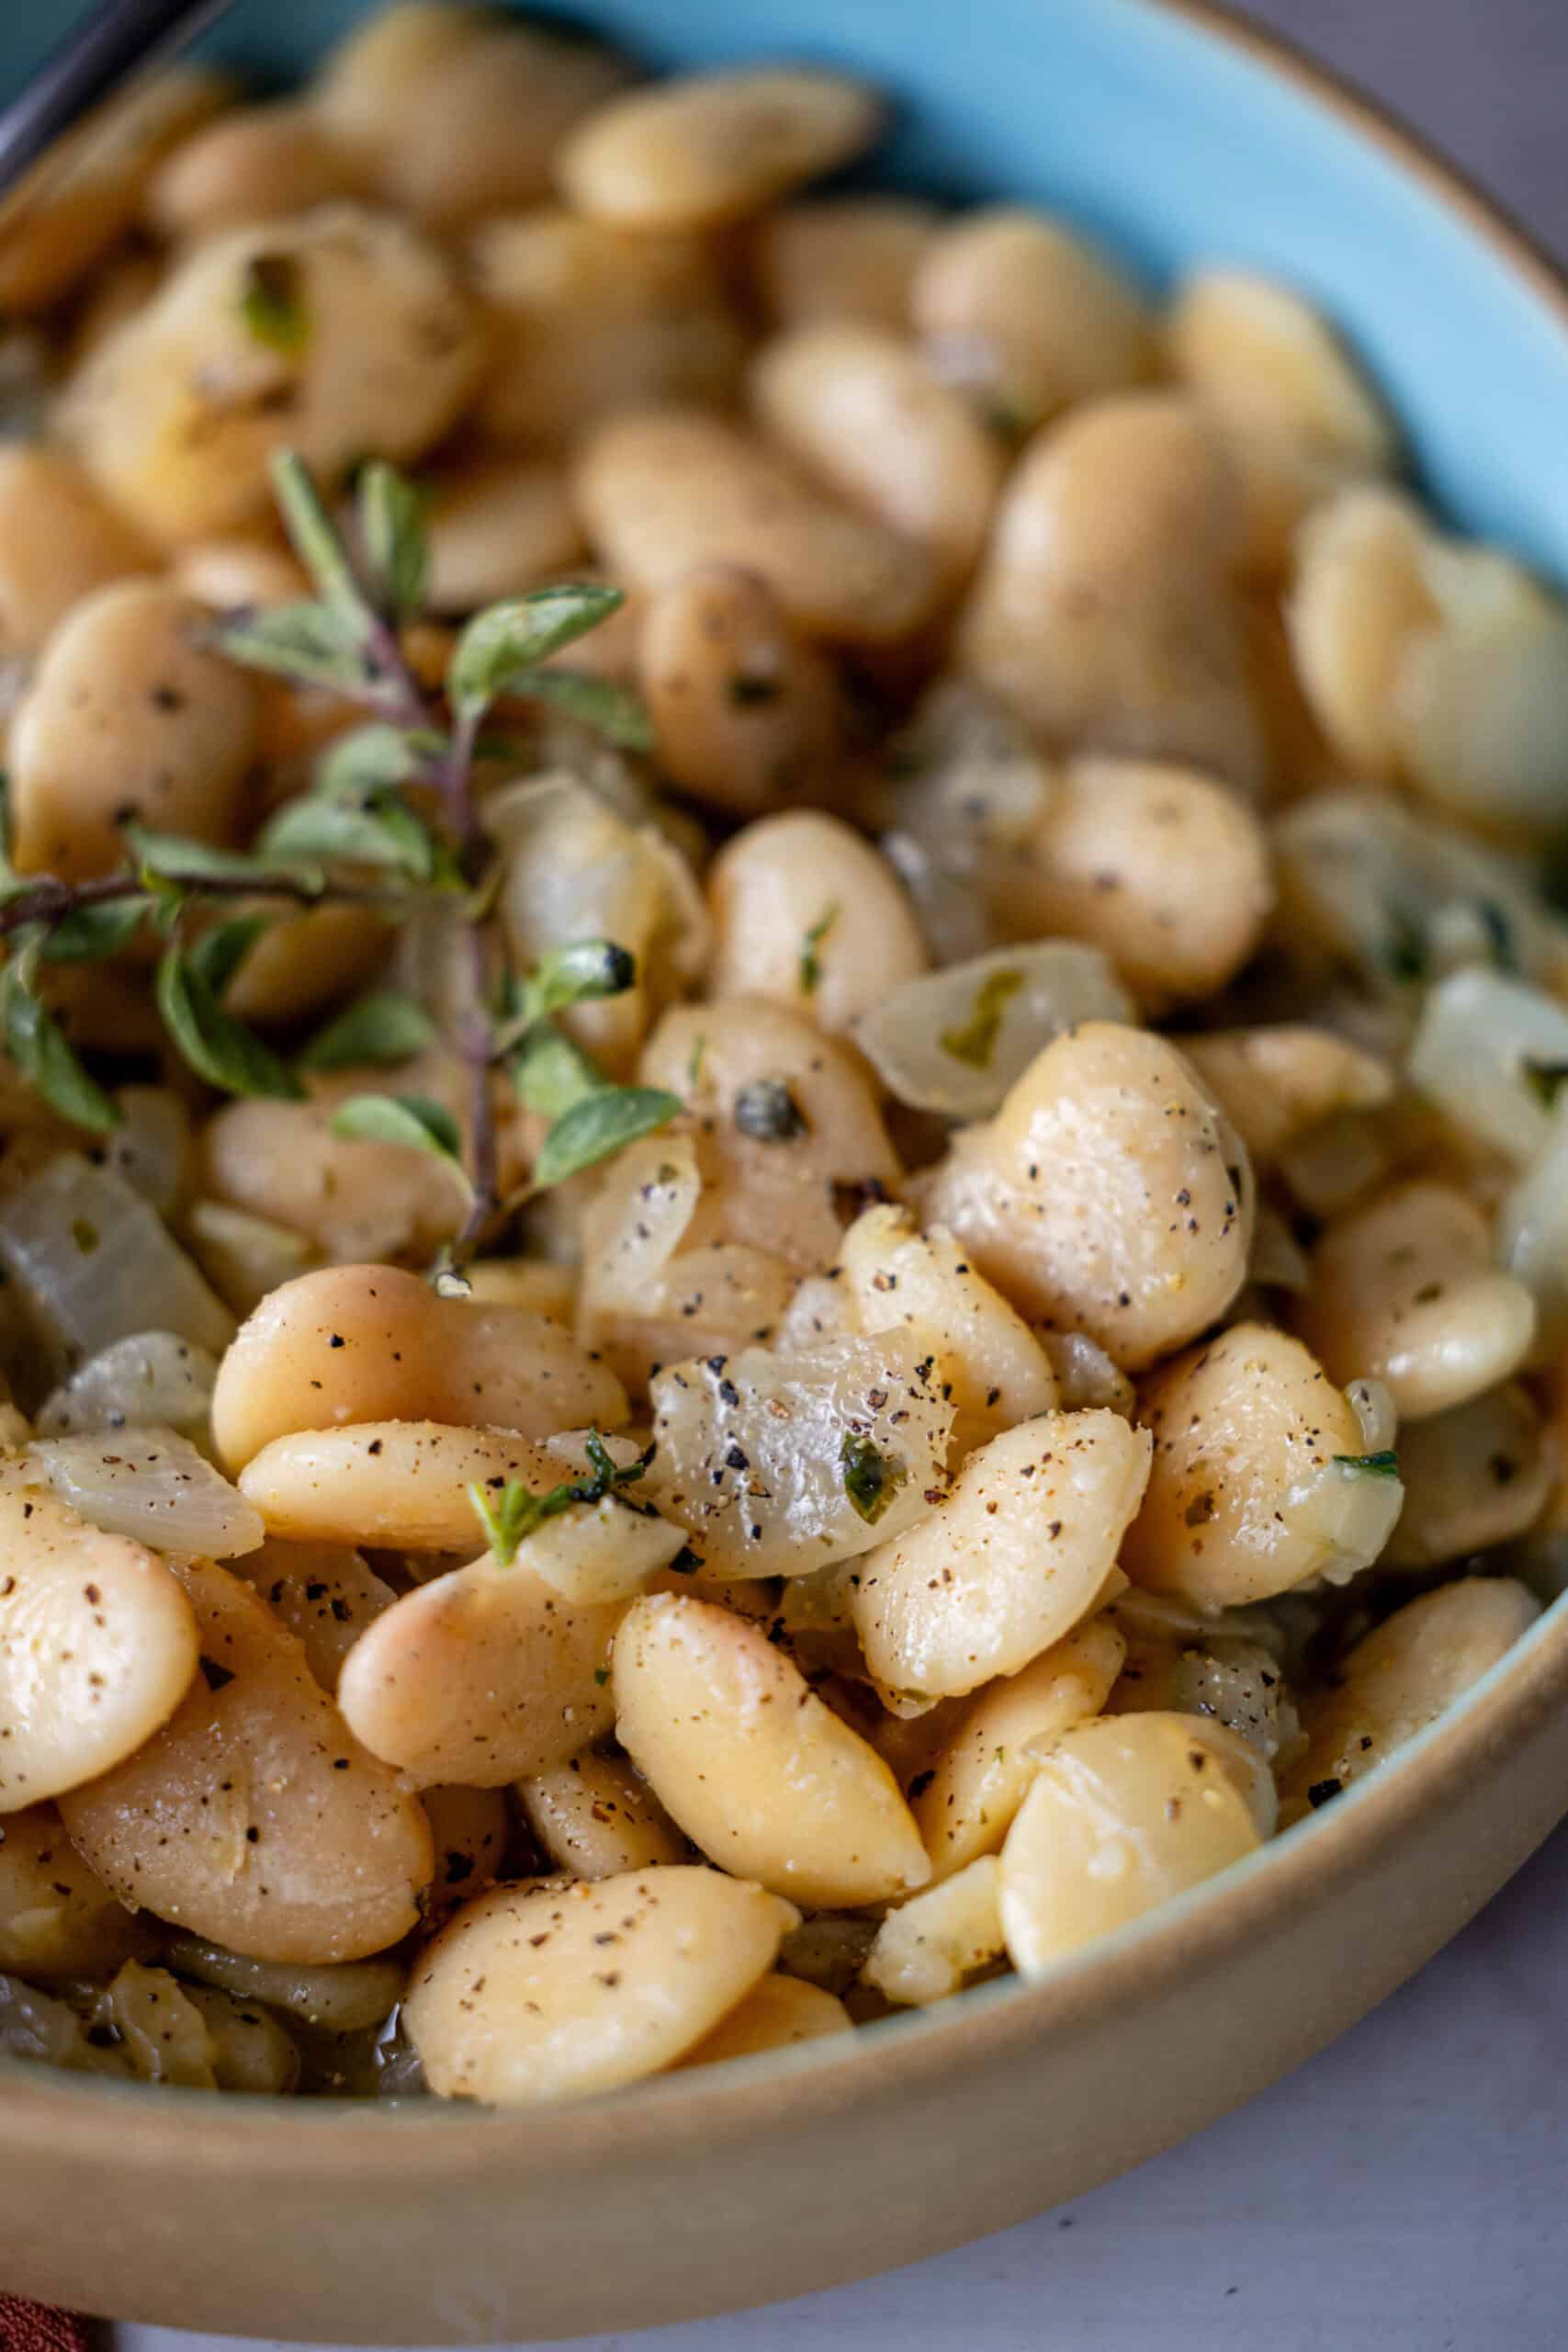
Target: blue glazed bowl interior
(1170, 142)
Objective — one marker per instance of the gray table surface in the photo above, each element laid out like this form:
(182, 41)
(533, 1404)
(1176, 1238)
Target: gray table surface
(1404, 2192)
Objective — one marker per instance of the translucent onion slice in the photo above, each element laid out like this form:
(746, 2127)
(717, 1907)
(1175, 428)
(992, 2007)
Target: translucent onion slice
(1533, 1234)
(94, 1261)
(149, 1379)
(152, 1485)
(956, 1040)
(1492, 1054)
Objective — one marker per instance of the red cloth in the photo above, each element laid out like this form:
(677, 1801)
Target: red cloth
(27, 2327)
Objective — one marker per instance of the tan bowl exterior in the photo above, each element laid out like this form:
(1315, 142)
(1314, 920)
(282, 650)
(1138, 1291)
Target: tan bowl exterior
(714, 2192)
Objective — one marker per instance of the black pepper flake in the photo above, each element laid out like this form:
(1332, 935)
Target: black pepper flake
(1321, 1790)
(217, 1677)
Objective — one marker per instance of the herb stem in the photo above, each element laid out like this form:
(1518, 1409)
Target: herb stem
(50, 901)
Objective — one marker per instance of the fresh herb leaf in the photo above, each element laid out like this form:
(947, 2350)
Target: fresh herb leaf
(319, 546)
(90, 933)
(871, 1478)
(613, 711)
(512, 1516)
(584, 971)
(499, 648)
(171, 857)
(392, 534)
(974, 1041)
(218, 1048)
(219, 953)
(410, 1119)
(811, 962)
(381, 832)
(371, 758)
(552, 1074)
(311, 645)
(1545, 1079)
(599, 1124)
(384, 1027)
(768, 1112)
(1375, 1465)
(272, 302)
(38, 1046)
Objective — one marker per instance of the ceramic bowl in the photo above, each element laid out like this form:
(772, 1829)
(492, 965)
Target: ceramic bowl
(1179, 136)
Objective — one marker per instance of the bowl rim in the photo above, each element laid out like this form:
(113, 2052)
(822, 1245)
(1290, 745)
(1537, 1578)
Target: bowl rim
(271, 2138)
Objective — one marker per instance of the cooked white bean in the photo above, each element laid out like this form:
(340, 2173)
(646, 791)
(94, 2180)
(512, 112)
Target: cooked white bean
(176, 412)
(1358, 595)
(781, 1465)
(58, 1920)
(859, 409)
(372, 1344)
(126, 715)
(707, 148)
(58, 543)
(535, 1995)
(1005, 1565)
(1473, 1477)
(1403, 1290)
(782, 1163)
(1108, 1196)
(841, 257)
(244, 1257)
(305, 961)
(399, 1482)
(1027, 316)
(1104, 613)
(994, 1366)
(1237, 1686)
(662, 491)
(926, 1948)
(1123, 1814)
(1277, 1084)
(252, 163)
(325, 1593)
(1255, 1486)
(496, 526)
(971, 1793)
(745, 712)
(481, 1677)
(778, 2012)
(253, 1818)
(806, 912)
(1166, 871)
(1086, 1375)
(594, 1816)
(760, 1774)
(97, 1643)
(1400, 1677)
(471, 1830)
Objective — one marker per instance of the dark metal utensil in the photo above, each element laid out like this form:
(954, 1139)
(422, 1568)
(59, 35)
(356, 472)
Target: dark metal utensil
(115, 41)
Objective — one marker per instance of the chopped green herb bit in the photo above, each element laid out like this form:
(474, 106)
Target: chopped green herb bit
(871, 1478)
(272, 302)
(811, 962)
(510, 1517)
(1545, 1079)
(975, 1040)
(1375, 1465)
(768, 1112)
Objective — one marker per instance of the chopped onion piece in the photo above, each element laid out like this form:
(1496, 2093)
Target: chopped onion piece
(94, 1261)
(1532, 1235)
(152, 1484)
(956, 1040)
(245, 1256)
(150, 1379)
(1492, 1054)
(152, 1148)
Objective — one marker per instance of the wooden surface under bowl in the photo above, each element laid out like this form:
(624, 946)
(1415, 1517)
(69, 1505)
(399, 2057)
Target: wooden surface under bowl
(708, 2191)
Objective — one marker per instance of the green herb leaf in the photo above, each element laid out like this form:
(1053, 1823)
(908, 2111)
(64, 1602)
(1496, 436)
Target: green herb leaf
(319, 546)
(586, 969)
(218, 1048)
(218, 953)
(1374, 1465)
(510, 1517)
(768, 1112)
(383, 833)
(170, 857)
(371, 758)
(38, 1046)
(871, 1478)
(599, 1124)
(392, 534)
(613, 711)
(89, 933)
(1545, 1079)
(974, 1041)
(410, 1119)
(311, 645)
(384, 1027)
(811, 962)
(500, 646)
(552, 1074)
(272, 302)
